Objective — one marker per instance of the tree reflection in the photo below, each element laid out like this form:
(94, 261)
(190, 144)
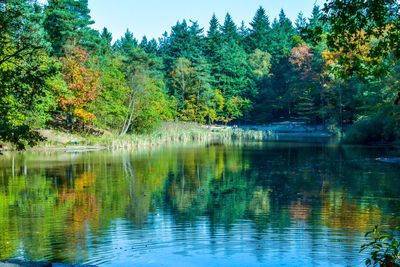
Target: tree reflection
(58, 207)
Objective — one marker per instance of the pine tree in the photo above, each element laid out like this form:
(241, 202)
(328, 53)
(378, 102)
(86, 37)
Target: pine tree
(233, 72)
(106, 40)
(282, 37)
(301, 24)
(184, 41)
(106, 35)
(149, 46)
(143, 43)
(214, 38)
(126, 43)
(243, 32)
(213, 31)
(67, 21)
(316, 26)
(260, 31)
(229, 29)
(152, 47)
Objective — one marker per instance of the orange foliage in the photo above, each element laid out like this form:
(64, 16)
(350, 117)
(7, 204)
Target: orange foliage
(301, 57)
(81, 82)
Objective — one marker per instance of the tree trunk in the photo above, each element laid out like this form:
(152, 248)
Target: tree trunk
(128, 121)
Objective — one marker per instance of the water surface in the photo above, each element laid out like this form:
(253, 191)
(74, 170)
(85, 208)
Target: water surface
(251, 204)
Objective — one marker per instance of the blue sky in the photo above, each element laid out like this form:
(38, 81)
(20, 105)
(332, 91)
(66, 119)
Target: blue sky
(153, 17)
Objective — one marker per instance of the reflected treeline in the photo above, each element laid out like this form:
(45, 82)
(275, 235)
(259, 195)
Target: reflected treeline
(53, 205)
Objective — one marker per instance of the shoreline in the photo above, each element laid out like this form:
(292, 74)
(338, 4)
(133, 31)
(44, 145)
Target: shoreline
(180, 133)
(185, 133)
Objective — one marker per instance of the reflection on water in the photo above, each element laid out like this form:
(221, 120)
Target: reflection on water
(235, 205)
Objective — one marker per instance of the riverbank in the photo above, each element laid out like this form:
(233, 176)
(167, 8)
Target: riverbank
(179, 133)
(168, 133)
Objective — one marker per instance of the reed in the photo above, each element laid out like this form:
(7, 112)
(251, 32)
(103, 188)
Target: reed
(176, 133)
(167, 134)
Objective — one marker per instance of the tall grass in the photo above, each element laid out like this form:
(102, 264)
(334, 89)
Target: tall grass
(176, 133)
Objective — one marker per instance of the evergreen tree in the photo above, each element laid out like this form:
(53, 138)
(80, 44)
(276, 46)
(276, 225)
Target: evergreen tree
(143, 43)
(184, 41)
(282, 37)
(126, 44)
(279, 102)
(106, 40)
(301, 24)
(315, 28)
(152, 47)
(259, 32)
(243, 32)
(106, 35)
(229, 30)
(214, 38)
(213, 31)
(233, 72)
(191, 86)
(67, 21)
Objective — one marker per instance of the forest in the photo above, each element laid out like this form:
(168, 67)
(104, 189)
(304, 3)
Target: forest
(339, 67)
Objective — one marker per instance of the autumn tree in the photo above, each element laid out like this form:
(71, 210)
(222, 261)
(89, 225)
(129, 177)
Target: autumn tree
(81, 85)
(304, 84)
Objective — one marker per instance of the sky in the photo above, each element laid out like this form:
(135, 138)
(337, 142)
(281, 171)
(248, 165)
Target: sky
(153, 17)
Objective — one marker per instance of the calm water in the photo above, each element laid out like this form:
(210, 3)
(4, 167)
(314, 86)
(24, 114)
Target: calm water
(255, 204)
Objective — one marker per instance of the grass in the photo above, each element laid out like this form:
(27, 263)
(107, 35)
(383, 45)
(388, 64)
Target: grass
(169, 133)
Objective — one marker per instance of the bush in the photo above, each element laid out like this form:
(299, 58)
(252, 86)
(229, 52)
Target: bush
(378, 128)
(383, 248)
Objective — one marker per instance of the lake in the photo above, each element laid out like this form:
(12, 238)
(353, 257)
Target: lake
(248, 204)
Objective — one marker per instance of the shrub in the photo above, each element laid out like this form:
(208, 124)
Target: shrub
(383, 248)
(378, 128)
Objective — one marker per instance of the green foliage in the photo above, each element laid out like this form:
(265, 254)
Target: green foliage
(25, 74)
(229, 30)
(126, 44)
(336, 68)
(282, 34)
(384, 248)
(235, 107)
(67, 22)
(232, 71)
(259, 37)
(191, 87)
(376, 128)
(260, 62)
(148, 102)
(110, 107)
(363, 44)
(184, 41)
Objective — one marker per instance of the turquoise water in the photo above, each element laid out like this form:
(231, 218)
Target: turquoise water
(250, 204)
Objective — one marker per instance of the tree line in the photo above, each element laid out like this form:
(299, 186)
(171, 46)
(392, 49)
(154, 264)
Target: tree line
(339, 67)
